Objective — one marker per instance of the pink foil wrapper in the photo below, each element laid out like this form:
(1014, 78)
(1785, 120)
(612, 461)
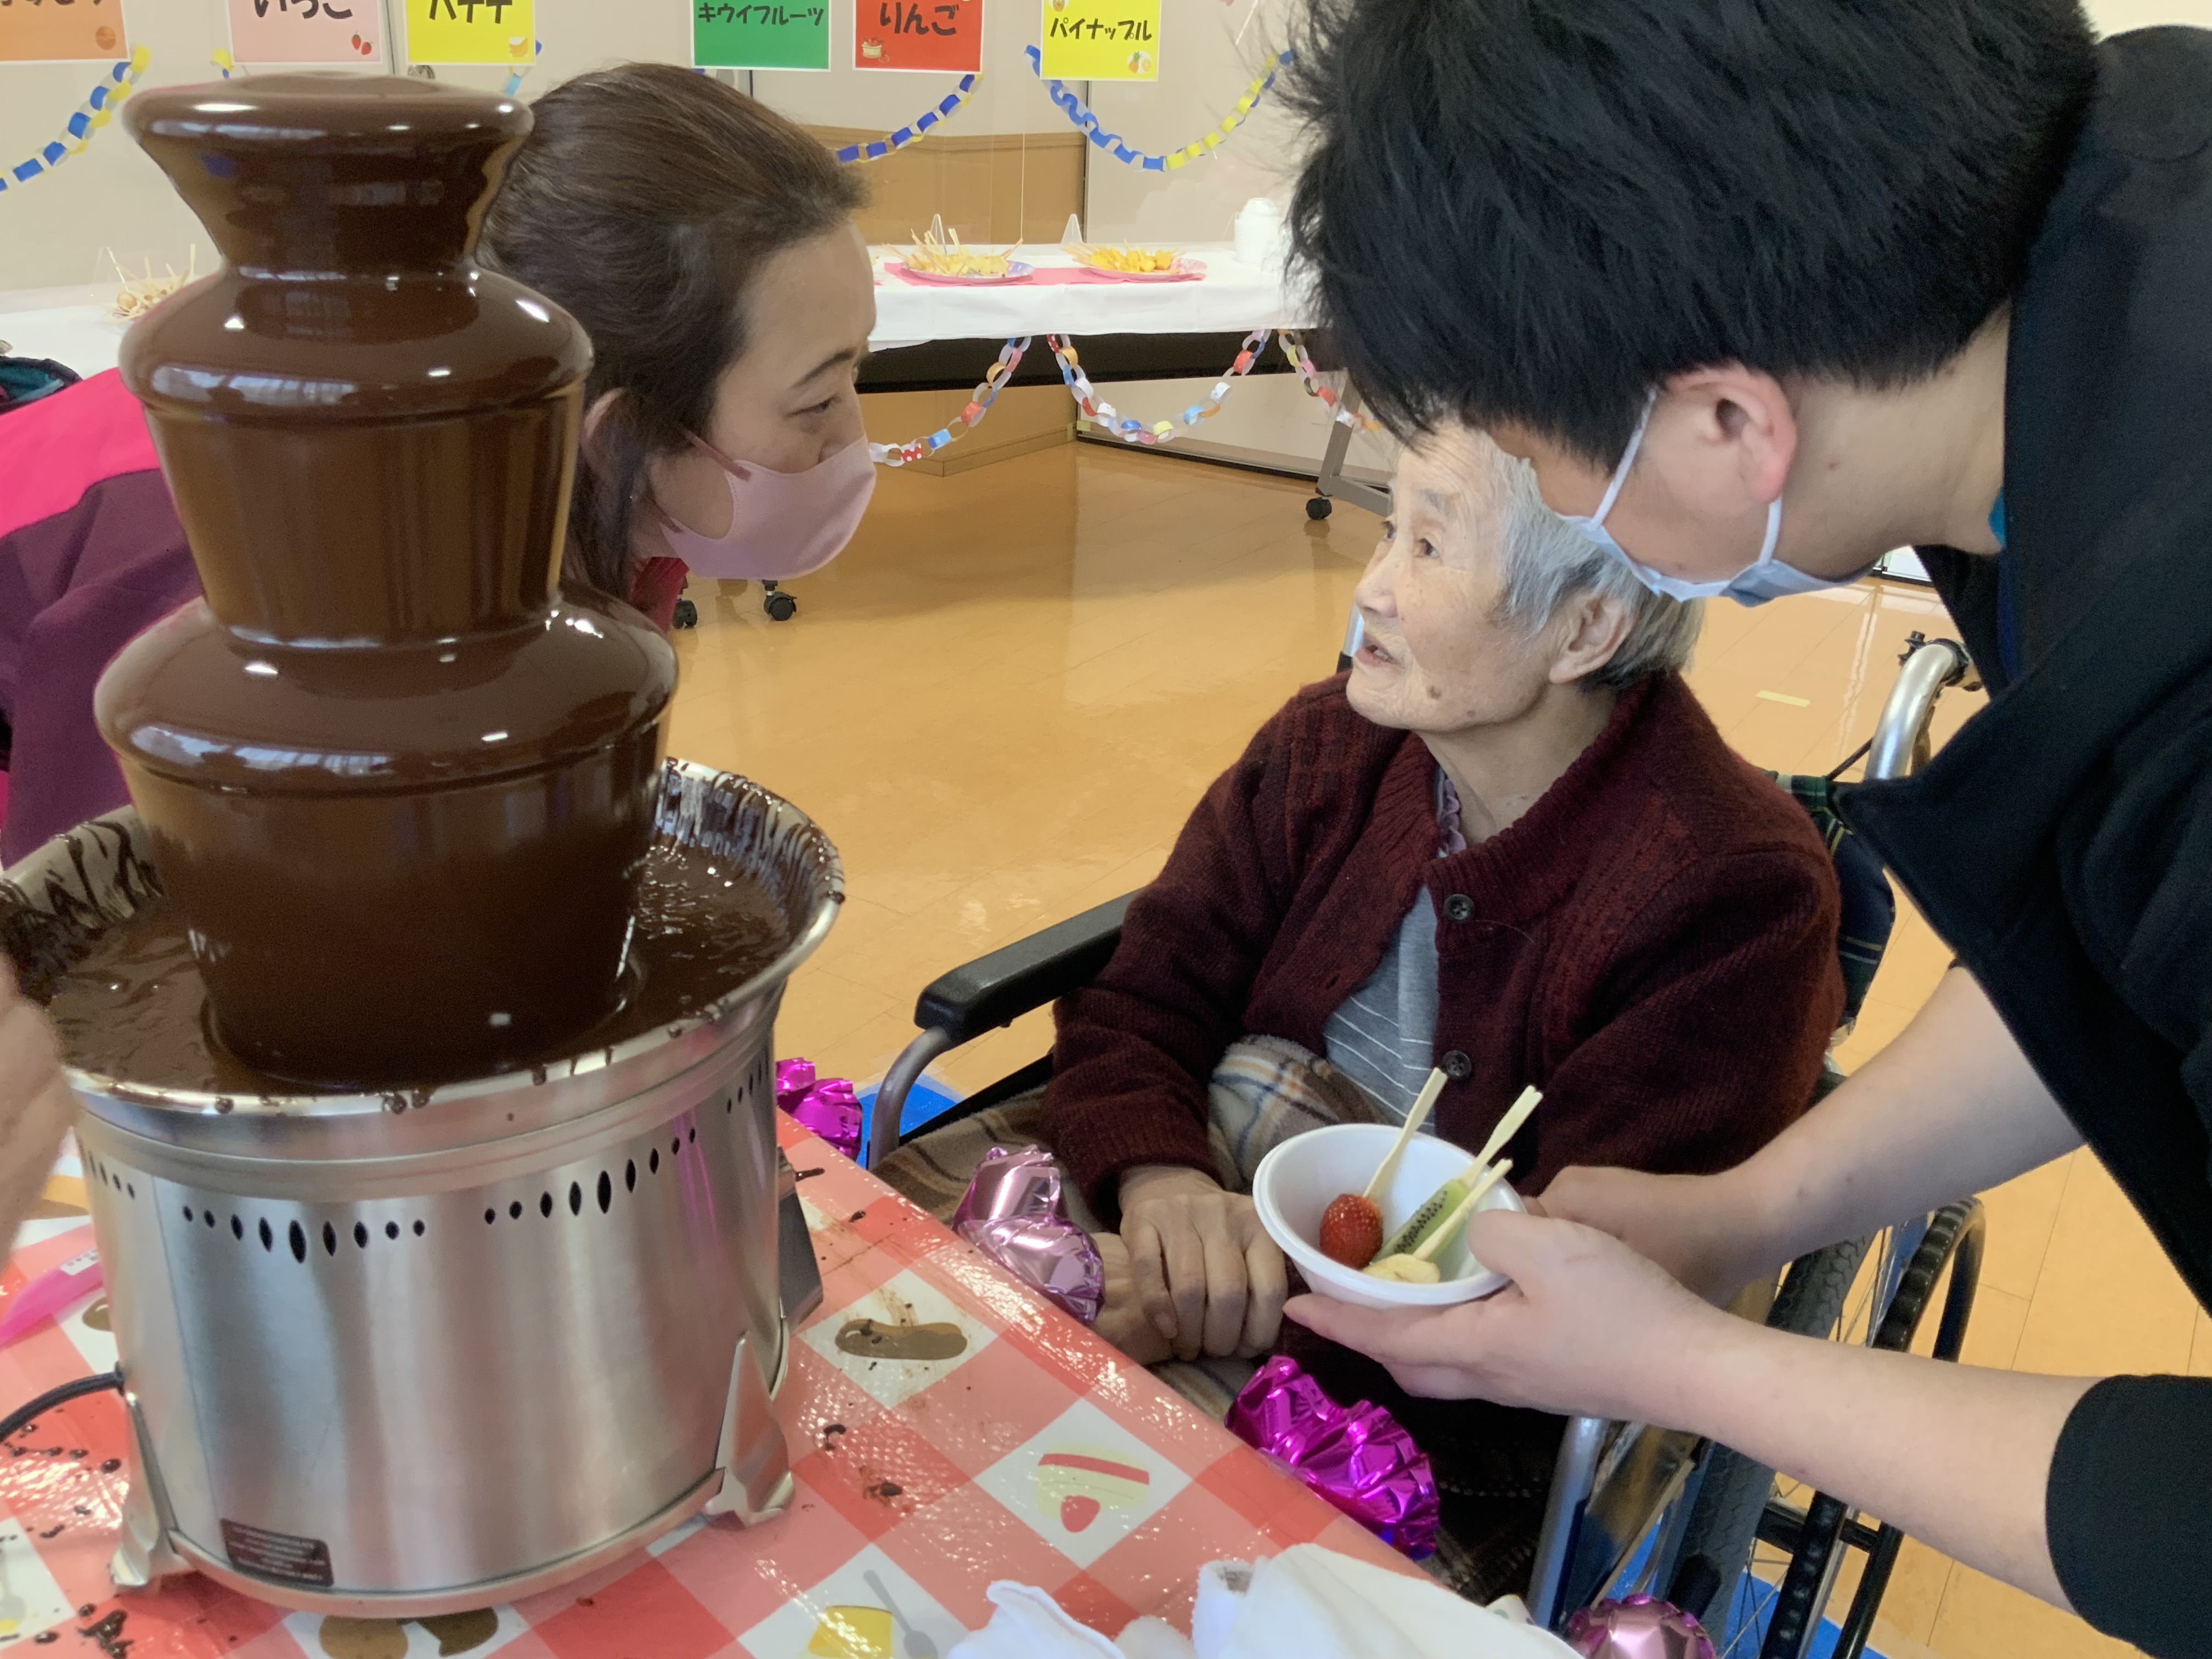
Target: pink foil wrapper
(828, 1106)
(1359, 1457)
(1637, 1627)
(1013, 1211)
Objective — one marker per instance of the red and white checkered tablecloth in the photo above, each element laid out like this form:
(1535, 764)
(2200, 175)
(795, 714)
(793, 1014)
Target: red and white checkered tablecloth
(1028, 1451)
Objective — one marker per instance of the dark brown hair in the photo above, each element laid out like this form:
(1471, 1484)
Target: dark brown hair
(644, 202)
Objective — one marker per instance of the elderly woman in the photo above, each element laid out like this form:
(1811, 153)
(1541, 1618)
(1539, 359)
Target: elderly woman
(1508, 844)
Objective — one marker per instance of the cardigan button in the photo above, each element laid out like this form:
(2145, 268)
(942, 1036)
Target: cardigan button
(1459, 908)
(1457, 1067)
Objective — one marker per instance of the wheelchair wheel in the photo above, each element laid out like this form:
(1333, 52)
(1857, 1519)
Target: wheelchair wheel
(1784, 1558)
(1723, 1529)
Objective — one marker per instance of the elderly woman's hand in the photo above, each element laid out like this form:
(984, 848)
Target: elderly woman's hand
(1207, 1276)
(35, 1101)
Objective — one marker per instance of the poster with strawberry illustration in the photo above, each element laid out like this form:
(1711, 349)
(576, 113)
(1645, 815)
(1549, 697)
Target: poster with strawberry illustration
(264, 32)
(918, 35)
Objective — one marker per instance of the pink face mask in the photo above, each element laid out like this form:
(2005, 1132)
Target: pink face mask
(782, 525)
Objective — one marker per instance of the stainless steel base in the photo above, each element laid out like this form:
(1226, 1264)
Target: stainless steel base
(492, 1592)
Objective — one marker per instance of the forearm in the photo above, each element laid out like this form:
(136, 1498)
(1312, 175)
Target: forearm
(1950, 1107)
(35, 1105)
(1957, 1456)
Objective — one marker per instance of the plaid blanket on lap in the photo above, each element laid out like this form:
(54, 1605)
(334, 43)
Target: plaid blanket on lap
(1869, 906)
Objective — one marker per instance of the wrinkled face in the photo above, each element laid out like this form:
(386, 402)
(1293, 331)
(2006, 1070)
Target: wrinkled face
(1436, 659)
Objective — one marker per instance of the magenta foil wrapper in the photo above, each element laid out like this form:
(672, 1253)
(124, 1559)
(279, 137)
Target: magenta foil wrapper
(828, 1106)
(1358, 1457)
(1637, 1627)
(1014, 1214)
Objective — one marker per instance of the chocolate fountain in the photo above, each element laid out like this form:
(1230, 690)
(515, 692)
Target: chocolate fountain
(420, 1012)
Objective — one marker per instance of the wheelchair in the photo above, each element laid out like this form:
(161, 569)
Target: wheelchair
(1632, 1507)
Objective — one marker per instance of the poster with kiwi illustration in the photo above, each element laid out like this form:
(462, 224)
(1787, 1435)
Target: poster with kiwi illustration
(788, 35)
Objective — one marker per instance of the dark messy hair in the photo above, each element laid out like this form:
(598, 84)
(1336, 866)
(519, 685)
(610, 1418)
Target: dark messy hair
(1538, 211)
(644, 202)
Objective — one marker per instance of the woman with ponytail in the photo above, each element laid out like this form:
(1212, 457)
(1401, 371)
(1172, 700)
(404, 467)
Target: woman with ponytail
(708, 247)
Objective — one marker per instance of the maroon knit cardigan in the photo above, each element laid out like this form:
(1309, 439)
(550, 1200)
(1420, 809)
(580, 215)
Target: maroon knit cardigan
(1653, 945)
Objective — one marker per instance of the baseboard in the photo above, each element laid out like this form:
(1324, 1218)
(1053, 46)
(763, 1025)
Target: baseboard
(1249, 460)
(955, 459)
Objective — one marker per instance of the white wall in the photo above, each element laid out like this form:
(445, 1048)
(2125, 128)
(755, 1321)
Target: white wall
(1215, 51)
(52, 229)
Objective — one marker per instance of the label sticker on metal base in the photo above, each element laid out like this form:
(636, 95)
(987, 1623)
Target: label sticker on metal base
(277, 1555)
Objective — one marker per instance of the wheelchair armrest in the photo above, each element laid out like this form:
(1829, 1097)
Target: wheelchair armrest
(995, 990)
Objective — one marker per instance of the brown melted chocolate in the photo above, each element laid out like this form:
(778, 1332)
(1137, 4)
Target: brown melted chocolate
(870, 1339)
(397, 784)
(135, 1006)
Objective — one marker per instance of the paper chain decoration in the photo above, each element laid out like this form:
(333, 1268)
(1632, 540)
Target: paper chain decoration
(1010, 359)
(91, 115)
(1295, 350)
(1086, 122)
(1101, 413)
(1095, 409)
(514, 75)
(912, 133)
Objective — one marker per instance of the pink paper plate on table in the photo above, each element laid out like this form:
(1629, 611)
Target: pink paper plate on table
(1016, 271)
(1187, 269)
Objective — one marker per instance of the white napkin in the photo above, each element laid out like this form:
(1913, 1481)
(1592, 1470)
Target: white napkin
(1317, 1604)
(1029, 1625)
(1306, 1603)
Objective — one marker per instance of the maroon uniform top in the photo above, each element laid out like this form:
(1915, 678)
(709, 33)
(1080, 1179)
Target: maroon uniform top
(91, 554)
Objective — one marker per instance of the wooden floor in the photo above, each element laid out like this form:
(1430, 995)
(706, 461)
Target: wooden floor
(1006, 696)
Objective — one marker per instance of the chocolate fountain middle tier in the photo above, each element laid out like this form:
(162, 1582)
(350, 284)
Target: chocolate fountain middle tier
(401, 865)
(399, 787)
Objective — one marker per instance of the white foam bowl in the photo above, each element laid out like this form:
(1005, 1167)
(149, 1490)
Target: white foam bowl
(1297, 1182)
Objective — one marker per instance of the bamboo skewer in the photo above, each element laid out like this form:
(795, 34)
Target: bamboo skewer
(1411, 1126)
(1437, 1240)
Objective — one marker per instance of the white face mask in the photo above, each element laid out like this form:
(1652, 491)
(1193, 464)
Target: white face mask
(1765, 578)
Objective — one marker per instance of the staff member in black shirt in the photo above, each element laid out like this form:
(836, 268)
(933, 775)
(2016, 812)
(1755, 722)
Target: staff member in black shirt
(1763, 288)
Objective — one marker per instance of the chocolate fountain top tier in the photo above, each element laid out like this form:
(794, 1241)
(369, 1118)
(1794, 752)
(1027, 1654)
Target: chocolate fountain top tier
(347, 211)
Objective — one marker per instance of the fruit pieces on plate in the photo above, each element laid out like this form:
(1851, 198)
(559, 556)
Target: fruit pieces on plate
(1351, 1230)
(1129, 261)
(938, 253)
(1406, 1270)
(1431, 1214)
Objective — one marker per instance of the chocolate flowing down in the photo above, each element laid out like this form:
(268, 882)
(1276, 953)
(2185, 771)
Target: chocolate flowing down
(399, 784)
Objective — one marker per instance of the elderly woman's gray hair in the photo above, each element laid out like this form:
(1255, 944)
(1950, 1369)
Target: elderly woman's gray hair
(1548, 562)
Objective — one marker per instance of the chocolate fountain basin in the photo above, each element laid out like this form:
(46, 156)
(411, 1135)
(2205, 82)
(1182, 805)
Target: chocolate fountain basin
(401, 1354)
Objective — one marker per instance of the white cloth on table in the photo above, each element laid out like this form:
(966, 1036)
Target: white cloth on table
(1232, 297)
(1308, 1601)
